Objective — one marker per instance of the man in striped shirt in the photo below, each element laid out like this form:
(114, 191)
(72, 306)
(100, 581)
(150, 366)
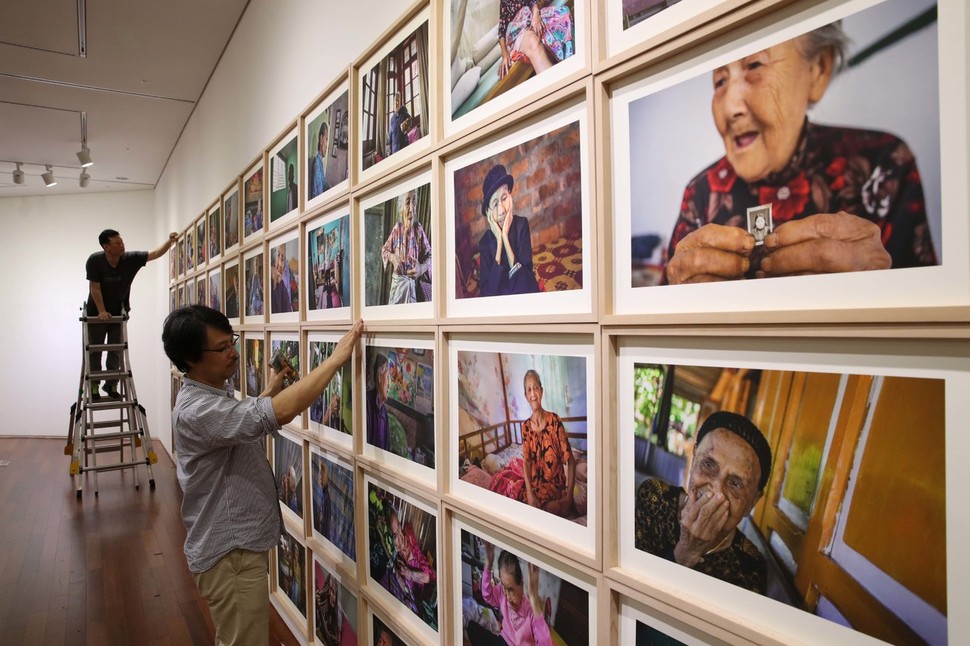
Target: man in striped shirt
(229, 506)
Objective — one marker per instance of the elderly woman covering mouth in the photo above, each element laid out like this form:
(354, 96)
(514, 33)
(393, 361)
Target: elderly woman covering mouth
(842, 199)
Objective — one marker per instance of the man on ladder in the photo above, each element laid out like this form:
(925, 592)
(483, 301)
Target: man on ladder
(104, 328)
(109, 274)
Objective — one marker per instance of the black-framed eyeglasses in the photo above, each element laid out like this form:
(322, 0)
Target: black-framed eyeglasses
(224, 349)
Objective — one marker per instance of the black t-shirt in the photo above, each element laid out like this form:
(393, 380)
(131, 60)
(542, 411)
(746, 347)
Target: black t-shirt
(115, 281)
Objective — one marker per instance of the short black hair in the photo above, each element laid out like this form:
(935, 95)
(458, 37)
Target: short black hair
(106, 236)
(747, 431)
(509, 562)
(185, 332)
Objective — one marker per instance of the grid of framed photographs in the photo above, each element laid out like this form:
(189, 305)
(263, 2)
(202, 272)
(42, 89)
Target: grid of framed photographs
(517, 452)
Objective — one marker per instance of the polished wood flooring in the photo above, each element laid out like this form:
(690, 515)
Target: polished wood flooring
(99, 570)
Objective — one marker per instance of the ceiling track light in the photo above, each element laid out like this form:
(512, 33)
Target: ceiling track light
(18, 175)
(84, 156)
(49, 177)
(84, 179)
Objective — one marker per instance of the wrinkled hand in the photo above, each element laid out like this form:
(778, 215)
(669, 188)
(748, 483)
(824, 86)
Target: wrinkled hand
(537, 25)
(531, 498)
(534, 590)
(494, 226)
(824, 243)
(345, 347)
(712, 253)
(503, 69)
(702, 525)
(489, 555)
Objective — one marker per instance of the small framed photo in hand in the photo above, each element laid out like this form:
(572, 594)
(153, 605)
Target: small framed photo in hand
(759, 222)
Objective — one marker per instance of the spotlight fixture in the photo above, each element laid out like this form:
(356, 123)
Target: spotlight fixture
(84, 179)
(84, 156)
(49, 177)
(18, 175)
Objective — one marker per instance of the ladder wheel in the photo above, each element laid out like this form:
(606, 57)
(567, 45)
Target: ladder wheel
(151, 484)
(78, 494)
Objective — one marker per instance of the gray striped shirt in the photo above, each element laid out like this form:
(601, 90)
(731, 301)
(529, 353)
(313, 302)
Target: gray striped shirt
(229, 490)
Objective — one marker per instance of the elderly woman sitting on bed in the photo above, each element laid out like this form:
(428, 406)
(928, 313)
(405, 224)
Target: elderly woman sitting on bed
(540, 35)
(548, 464)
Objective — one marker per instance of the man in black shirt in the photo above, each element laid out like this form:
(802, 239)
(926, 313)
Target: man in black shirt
(109, 274)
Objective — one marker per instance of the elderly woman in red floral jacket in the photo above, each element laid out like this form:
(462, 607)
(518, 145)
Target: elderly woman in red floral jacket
(841, 199)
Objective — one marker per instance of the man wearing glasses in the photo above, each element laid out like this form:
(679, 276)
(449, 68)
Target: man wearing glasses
(229, 507)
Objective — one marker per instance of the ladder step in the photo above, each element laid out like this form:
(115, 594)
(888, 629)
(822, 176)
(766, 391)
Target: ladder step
(107, 374)
(111, 404)
(107, 424)
(109, 436)
(113, 467)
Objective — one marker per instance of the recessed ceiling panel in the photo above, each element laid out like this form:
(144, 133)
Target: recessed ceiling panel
(46, 25)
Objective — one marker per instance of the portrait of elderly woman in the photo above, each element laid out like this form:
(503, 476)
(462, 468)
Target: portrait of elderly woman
(518, 218)
(797, 138)
(698, 526)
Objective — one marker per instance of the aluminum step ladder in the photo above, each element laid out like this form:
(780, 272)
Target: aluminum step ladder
(100, 424)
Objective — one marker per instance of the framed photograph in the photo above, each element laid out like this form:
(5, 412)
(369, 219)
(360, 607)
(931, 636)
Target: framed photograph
(510, 595)
(643, 24)
(172, 302)
(332, 414)
(402, 546)
(230, 218)
(326, 163)
(860, 196)
(255, 286)
(382, 634)
(284, 350)
(291, 573)
(180, 251)
(538, 207)
(173, 266)
(284, 186)
(201, 295)
(398, 227)
(255, 361)
(214, 235)
(288, 468)
(180, 295)
(333, 514)
(395, 103)
(237, 382)
(497, 57)
(190, 248)
(253, 202)
(200, 242)
(334, 608)
(807, 459)
(215, 290)
(640, 625)
(284, 277)
(232, 290)
(328, 261)
(399, 423)
(523, 440)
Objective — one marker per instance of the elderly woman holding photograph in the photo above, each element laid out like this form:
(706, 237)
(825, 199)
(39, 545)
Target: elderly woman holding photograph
(542, 36)
(505, 249)
(407, 248)
(547, 459)
(841, 199)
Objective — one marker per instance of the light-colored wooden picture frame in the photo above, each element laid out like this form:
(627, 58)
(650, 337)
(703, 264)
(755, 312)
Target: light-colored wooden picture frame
(335, 107)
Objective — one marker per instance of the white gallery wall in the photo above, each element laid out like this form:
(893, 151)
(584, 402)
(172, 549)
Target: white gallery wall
(282, 56)
(45, 244)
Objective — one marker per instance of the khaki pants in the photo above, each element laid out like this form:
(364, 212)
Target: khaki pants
(236, 589)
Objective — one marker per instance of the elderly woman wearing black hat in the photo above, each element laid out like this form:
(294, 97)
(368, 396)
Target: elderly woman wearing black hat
(506, 248)
(698, 528)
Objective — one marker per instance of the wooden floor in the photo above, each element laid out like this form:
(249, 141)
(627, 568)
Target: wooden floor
(99, 570)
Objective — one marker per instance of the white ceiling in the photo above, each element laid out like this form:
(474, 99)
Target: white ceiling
(146, 66)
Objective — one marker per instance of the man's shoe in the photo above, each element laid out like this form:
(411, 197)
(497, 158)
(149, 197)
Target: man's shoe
(95, 395)
(111, 393)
